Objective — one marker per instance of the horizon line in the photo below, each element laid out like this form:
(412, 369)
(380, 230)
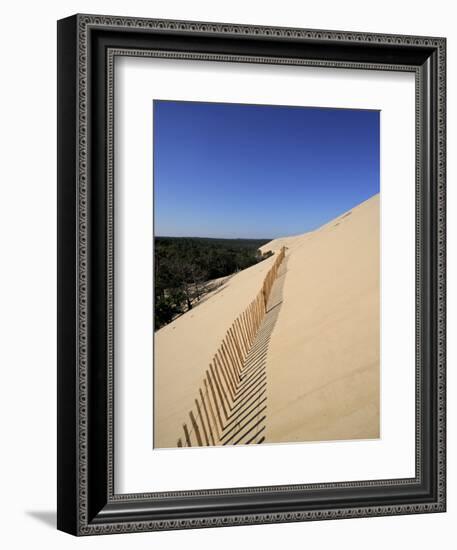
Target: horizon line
(205, 237)
(274, 238)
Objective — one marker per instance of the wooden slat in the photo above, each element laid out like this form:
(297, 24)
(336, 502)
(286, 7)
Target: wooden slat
(210, 406)
(196, 429)
(205, 433)
(205, 409)
(213, 393)
(219, 389)
(222, 372)
(186, 435)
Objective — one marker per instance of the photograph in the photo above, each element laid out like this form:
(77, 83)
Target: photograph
(266, 275)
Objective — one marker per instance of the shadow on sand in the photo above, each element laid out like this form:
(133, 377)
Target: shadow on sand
(247, 420)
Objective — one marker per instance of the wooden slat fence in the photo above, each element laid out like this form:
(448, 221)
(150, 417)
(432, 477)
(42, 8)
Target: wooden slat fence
(216, 397)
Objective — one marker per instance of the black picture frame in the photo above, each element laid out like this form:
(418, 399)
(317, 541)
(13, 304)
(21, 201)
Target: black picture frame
(87, 503)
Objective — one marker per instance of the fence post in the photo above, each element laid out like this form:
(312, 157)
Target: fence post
(205, 433)
(207, 416)
(216, 426)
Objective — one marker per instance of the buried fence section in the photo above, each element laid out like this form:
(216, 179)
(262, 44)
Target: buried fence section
(225, 398)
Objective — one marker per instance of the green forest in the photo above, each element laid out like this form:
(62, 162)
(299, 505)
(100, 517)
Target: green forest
(185, 269)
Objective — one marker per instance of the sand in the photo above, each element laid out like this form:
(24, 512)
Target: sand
(322, 356)
(184, 348)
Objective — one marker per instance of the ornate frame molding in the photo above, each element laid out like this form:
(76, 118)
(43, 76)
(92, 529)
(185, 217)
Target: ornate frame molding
(77, 512)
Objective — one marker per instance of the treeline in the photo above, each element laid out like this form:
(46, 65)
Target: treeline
(185, 266)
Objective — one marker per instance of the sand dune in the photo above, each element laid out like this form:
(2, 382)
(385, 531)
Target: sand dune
(321, 352)
(323, 356)
(184, 348)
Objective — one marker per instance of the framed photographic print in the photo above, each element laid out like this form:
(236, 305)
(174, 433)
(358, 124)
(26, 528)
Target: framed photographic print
(251, 274)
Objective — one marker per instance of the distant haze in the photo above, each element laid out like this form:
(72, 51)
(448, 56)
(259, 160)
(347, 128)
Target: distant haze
(246, 171)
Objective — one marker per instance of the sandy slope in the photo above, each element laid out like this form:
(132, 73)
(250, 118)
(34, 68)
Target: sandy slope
(184, 348)
(323, 354)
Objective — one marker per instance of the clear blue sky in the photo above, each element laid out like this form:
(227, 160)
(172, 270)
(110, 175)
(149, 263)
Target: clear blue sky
(259, 171)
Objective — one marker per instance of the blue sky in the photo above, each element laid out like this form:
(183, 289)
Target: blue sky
(259, 171)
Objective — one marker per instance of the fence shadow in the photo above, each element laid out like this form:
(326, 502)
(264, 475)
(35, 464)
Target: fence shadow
(247, 420)
(230, 408)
